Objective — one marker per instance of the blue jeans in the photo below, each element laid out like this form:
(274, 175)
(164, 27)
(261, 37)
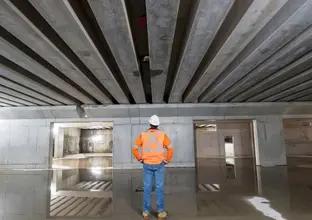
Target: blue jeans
(158, 172)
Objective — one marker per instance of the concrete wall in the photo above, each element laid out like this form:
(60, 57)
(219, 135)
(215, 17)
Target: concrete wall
(103, 143)
(25, 140)
(269, 141)
(71, 141)
(180, 133)
(210, 144)
(24, 143)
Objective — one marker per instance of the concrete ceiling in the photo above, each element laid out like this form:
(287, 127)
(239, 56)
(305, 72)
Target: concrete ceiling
(74, 52)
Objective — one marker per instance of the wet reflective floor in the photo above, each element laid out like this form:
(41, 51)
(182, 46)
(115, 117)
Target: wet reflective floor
(213, 191)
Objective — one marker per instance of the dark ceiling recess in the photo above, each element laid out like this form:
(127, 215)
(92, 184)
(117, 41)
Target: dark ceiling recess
(187, 8)
(137, 17)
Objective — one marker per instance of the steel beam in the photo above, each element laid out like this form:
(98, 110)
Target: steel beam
(290, 70)
(207, 21)
(113, 20)
(61, 16)
(21, 95)
(290, 23)
(161, 22)
(22, 80)
(256, 17)
(22, 28)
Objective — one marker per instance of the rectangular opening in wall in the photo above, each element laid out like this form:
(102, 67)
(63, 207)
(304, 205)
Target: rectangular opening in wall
(298, 142)
(225, 155)
(229, 157)
(82, 145)
(81, 183)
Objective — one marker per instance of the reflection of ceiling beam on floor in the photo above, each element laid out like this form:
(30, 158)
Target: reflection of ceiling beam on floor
(208, 187)
(94, 186)
(80, 206)
(94, 194)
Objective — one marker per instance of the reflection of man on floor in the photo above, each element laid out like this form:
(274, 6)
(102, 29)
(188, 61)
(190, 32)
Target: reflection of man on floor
(153, 144)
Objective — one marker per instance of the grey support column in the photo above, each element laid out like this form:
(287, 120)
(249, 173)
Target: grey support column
(269, 141)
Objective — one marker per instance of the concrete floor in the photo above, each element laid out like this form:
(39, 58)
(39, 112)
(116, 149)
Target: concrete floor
(213, 191)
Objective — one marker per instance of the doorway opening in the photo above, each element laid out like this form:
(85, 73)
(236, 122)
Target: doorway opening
(298, 142)
(82, 145)
(225, 155)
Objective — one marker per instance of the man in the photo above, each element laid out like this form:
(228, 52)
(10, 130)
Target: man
(153, 144)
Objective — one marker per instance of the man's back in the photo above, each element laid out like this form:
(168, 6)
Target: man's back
(153, 143)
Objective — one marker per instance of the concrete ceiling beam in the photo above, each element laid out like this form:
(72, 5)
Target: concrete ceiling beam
(256, 17)
(113, 20)
(5, 105)
(161, 23)
(50, 96)
(18, 57)
(61, 16)
(297, 96)
(292, 19)
(285, 73)
(305, 98)
(207, 20)
(23, 28)
(15, 99)
(9, 102)
(21, 95)
(293, 85)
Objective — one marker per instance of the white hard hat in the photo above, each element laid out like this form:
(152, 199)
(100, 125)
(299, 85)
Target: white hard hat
(154, 120)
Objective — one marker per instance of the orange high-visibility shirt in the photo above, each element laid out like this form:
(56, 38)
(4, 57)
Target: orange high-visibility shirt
(153, 144)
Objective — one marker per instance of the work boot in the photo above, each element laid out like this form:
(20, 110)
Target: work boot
(162, 215)
(146, 215)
